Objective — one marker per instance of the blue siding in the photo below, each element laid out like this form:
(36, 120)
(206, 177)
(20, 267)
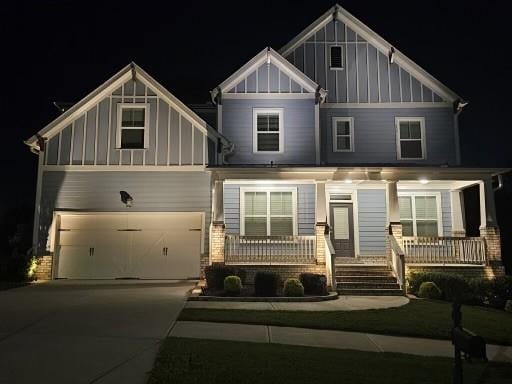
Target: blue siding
(375, 135)
(372, 222)
(299, 130)
(305, 207)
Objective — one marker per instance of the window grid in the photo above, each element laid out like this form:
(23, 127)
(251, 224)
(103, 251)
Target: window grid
(268, 130)
(412, 219)
(129, 123)
(411, 131)
(348, 126)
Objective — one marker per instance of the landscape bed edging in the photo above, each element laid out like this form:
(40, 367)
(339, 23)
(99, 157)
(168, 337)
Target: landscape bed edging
(304, 299)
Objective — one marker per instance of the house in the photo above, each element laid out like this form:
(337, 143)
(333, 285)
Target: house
(336, 154)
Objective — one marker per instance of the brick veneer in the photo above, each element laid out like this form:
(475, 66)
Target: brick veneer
(44, 267)
(320, 243)
(285, 271)
(217, 235)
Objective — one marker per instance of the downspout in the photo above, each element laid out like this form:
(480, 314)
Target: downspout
(458, 105)
(226, 147)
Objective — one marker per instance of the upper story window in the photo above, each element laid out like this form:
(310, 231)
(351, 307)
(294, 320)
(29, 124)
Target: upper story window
(268, 212)
(268, 130)
(420, 214)
(343, 134)
(132, 132)
(336, 57)
(411, 144)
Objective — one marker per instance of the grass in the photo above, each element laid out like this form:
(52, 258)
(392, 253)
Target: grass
(419, 318)
(182, 360)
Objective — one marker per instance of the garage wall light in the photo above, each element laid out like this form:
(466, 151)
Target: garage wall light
(126, 198)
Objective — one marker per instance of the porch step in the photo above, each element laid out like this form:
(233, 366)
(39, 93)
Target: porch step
(366, 280)
(370, 292)
(374, 279)
(366, 285)
(363, 273)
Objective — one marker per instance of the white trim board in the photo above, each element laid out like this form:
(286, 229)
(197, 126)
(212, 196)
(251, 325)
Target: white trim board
(373, 38)
(124, 168)
(387, 105)
(268, 96)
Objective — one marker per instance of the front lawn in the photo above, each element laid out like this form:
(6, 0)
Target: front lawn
(182, 360)
(419, 318)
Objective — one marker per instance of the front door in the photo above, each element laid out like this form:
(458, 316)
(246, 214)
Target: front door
(342, 229)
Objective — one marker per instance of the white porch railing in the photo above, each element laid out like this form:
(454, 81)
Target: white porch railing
(397, 262)
(268, 250)
(444, 250)
(330, 256)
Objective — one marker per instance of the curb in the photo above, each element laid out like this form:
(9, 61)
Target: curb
(306, 299)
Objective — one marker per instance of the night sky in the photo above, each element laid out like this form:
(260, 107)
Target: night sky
(60, 51)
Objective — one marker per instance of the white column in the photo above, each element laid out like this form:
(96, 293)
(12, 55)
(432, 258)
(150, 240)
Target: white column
(218, 205)
(392, 202)
(321, 207)
(457, 204)
(487, 207)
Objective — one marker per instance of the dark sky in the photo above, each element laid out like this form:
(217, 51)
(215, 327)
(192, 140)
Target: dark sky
(55, 50)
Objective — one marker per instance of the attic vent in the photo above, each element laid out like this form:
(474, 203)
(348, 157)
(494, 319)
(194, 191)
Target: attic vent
(336, 57)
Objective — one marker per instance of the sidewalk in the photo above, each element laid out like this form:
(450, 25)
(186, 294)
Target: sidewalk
(342, 303)
(327, 339)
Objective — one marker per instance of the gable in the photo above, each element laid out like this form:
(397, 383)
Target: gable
(367, 75)
(88, 133)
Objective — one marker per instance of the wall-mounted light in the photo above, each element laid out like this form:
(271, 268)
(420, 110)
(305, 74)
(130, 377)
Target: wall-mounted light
(126, 198)
(348, 181)
(423, 180)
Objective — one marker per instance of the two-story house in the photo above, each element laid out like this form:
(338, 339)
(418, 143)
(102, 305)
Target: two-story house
(333, 154)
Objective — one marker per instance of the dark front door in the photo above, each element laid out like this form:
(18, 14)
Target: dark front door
(342, 229)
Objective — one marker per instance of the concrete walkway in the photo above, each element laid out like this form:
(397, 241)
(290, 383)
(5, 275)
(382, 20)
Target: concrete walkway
(326, 339)
(343, 303)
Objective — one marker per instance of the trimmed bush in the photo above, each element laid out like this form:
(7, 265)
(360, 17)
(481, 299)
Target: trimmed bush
(266, 283)
(232, 285)
(293, 288)
(480, 291)
(453, 286)
(216, 273)
(314, 284)
(508, 306)
(429, 290)
(501, 291)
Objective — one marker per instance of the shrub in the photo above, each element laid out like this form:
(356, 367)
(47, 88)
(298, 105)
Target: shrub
(429, 290)
(480, 290)
(314, 284)
(508, 306)
(453, 286)
(501, 291)
(266, 284)
(216, 273)
(293, 288)
(232, 285)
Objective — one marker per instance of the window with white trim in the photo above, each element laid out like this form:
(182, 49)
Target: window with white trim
(336, 57)
(268, 212)
(132, 124)
(420, 214)
(268, 130)
(410, 138)
(343, 134)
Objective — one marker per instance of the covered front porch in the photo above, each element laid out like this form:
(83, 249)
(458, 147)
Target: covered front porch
(328, 217)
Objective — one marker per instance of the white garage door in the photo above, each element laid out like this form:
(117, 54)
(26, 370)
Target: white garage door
(146, 246)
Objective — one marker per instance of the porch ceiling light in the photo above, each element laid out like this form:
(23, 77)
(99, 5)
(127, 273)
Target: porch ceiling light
(423, 180)
(348, 181)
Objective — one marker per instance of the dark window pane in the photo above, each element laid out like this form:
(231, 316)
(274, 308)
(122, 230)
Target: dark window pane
(132, 138)
(404, 130)
(426, 228)
(133, 117)
(281, 226)
(343, 127)
(343, 143)
(256, 226)
(262, 122)
(268, 142)
(411, 149)
(336, 57)
(407, 229)
(267, 122)
(414, 130)
(273, 123)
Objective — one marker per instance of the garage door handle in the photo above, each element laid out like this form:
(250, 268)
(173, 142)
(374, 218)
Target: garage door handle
(195, 229)
(91, 251)
(129, 230)
(164, 251)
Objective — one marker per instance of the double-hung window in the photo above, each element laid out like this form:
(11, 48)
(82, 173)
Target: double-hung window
(132, 132)
(268, 130)
(268, 212)
(343, 134)
(411, 138)
(420, 214)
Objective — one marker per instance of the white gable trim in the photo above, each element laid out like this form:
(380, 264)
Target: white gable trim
(106, 90)
(271, 56)
(373, 38)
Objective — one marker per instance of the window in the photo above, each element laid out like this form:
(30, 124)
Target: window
(343, 134)
(268, 130)
(336, 57)
(268, 212)
(420, 214)
(410, 138)
(132, 126)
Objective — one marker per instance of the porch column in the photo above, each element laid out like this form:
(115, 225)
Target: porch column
(457, 203)
(218, 229)
(488, 224)
(394, 227)
(321, 222)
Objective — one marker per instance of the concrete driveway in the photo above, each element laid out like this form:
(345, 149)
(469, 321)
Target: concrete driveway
(85, 332)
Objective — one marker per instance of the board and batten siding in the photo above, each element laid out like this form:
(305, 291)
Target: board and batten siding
(267, 78)
(305, 206)
(90, 139)
(371, 205)
(367, 75)
(99, 192)
(375, 135)
(298, 130)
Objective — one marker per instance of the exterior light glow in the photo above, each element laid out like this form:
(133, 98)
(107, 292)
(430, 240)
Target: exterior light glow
(348, 181)
(423, 180)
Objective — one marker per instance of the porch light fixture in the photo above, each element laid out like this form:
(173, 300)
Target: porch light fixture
(423, 180)
(126, 198)
(348, 181)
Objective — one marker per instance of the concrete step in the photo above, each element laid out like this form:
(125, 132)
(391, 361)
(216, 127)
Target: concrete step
(375, 268)
(366, 285)
(375, 279)
(363, 273)
(370, 292)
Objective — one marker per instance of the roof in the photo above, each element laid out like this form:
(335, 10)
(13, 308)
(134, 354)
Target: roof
(372, 37)
(106, 89)
(268, 55)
